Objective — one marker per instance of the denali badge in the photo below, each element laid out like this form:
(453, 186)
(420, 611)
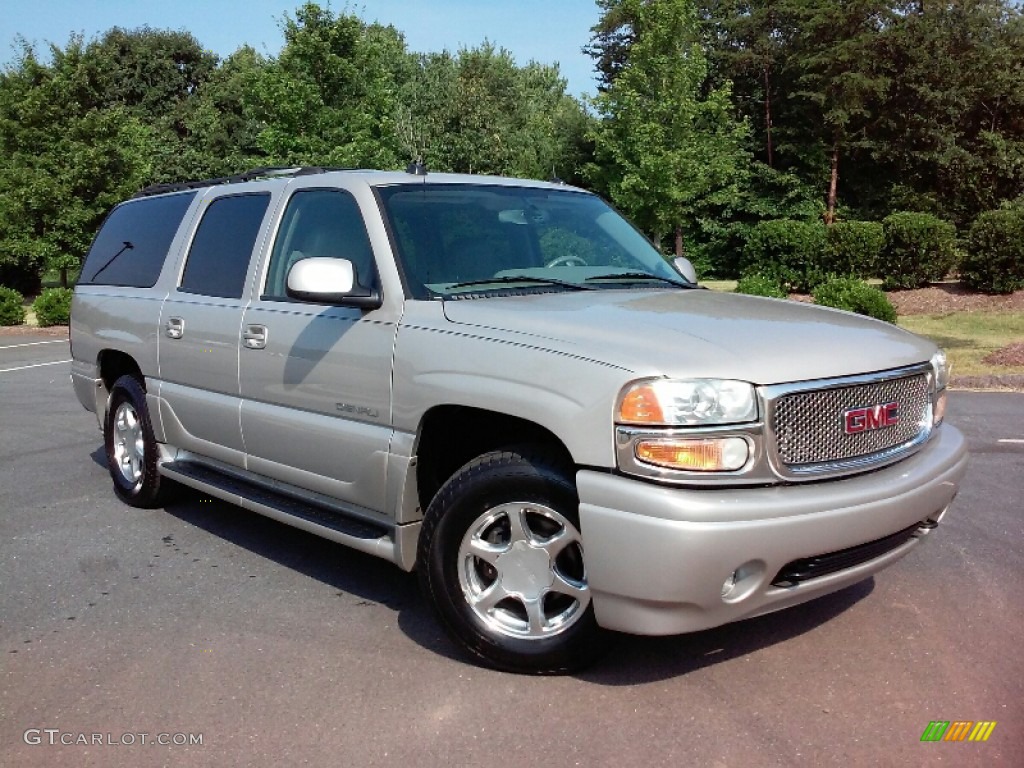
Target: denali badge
(858, 420)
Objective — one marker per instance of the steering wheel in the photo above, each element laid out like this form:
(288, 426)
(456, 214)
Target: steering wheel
(569, 260)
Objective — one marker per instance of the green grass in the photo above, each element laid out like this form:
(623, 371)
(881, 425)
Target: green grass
(968, 337)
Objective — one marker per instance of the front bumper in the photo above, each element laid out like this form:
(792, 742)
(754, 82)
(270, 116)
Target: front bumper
(658, 557)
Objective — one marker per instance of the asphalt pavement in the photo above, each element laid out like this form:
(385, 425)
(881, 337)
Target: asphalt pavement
(122, 628)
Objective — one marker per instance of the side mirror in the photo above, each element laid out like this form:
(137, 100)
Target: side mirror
(329, 281)
(685, 268)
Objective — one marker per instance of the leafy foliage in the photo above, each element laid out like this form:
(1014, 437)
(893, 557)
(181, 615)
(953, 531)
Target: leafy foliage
(855, 296)
(329, 98)
(53, 306)
(788, 251)
(669, 148)
(919, 248)
(12, 310)
(478, 112)
(756, 284)
(712, 116)
(852, 248)
(64, 164)
(995, 251)
(917, 103)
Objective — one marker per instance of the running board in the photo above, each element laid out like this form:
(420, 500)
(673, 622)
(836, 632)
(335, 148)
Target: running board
(377, 540)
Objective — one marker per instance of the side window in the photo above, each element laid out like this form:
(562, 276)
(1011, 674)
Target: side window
(320, 222)
(219, 257)
(132, 244)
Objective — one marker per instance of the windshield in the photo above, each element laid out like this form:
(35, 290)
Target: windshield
(466, 240)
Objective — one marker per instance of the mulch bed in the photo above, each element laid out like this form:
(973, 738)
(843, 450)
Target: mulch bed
(943, 298)
(1011, 354)
(32, 330)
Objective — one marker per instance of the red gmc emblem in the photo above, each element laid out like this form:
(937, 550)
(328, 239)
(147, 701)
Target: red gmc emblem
(858, 420)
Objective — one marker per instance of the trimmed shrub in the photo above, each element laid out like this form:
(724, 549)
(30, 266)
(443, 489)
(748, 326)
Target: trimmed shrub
(995, 252)
(760, 285)
(919, 248)
(12, 310)
(53, 306)
(855, 296)
(852, 248)
(790, 251)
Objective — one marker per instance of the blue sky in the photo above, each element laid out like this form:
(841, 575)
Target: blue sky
(547, 31)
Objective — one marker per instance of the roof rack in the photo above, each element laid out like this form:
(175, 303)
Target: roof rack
(250, 175)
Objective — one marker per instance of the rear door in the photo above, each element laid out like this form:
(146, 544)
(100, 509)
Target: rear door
(316, 379)
(200, 328)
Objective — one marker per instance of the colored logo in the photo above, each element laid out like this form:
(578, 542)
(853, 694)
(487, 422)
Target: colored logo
(958, 730)
(857, 420)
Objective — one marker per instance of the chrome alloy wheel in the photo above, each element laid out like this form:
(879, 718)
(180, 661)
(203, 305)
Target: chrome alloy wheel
(129, 445)
(521, 570)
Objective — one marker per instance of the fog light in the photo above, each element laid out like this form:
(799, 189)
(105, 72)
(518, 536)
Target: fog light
(729, 585)
(723, 454)
(743, 582)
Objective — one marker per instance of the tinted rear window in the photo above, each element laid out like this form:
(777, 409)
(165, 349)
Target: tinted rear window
(132, 244)
(219, 257)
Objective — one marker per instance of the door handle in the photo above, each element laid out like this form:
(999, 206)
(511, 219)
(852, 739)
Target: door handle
(175, 328)
(255, 336)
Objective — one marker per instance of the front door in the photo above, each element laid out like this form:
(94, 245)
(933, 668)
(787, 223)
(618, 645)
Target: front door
(315, 380)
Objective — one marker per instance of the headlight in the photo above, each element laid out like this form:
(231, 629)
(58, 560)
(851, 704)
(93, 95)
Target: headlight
(693, 402)
(941, 368)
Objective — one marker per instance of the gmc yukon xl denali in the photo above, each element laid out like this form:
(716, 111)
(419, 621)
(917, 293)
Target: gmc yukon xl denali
(502, 384)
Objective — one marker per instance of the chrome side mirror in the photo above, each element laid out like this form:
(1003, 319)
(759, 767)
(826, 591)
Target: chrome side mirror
(685, 268)
(329, 281)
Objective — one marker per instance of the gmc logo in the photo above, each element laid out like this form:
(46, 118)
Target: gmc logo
(858, 420)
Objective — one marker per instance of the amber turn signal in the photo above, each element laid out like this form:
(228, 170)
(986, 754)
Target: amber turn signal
(641, 406)
(723, 454)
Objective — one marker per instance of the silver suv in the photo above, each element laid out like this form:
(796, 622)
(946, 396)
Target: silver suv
(502, 384)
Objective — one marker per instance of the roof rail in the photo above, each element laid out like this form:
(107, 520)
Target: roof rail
(262, 172)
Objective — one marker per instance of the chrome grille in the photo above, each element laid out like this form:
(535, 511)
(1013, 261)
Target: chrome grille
(810, 428)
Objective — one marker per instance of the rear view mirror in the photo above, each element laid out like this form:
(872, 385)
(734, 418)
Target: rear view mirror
(329, 281)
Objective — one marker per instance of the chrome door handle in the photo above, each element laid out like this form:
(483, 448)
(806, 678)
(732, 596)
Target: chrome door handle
(175, 328)
(255, 336)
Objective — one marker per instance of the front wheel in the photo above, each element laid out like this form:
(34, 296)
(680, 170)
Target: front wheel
(501, 559)
(131, 445)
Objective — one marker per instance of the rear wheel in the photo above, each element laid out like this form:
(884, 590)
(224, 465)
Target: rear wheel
(131, 446)
(501, 559)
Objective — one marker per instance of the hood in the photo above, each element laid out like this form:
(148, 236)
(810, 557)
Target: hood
(698, 333)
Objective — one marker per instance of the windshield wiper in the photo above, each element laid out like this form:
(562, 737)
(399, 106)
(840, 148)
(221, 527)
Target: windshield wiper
(628, 277)
(523, 279)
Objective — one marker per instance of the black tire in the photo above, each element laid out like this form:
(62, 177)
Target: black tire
(532, 628)
(132, 461)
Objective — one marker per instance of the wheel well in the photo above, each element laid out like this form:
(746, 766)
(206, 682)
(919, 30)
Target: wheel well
(451, 435)
(114, 365)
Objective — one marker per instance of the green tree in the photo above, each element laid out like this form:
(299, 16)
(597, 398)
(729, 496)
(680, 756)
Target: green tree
(220, 134)
(63, 164)
(951, 137)
(676, 152)
(479, 112)
(330, 97)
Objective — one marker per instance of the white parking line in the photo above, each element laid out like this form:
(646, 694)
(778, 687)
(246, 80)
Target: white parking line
(1009, 440)
(35, 343)
(36, 365)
